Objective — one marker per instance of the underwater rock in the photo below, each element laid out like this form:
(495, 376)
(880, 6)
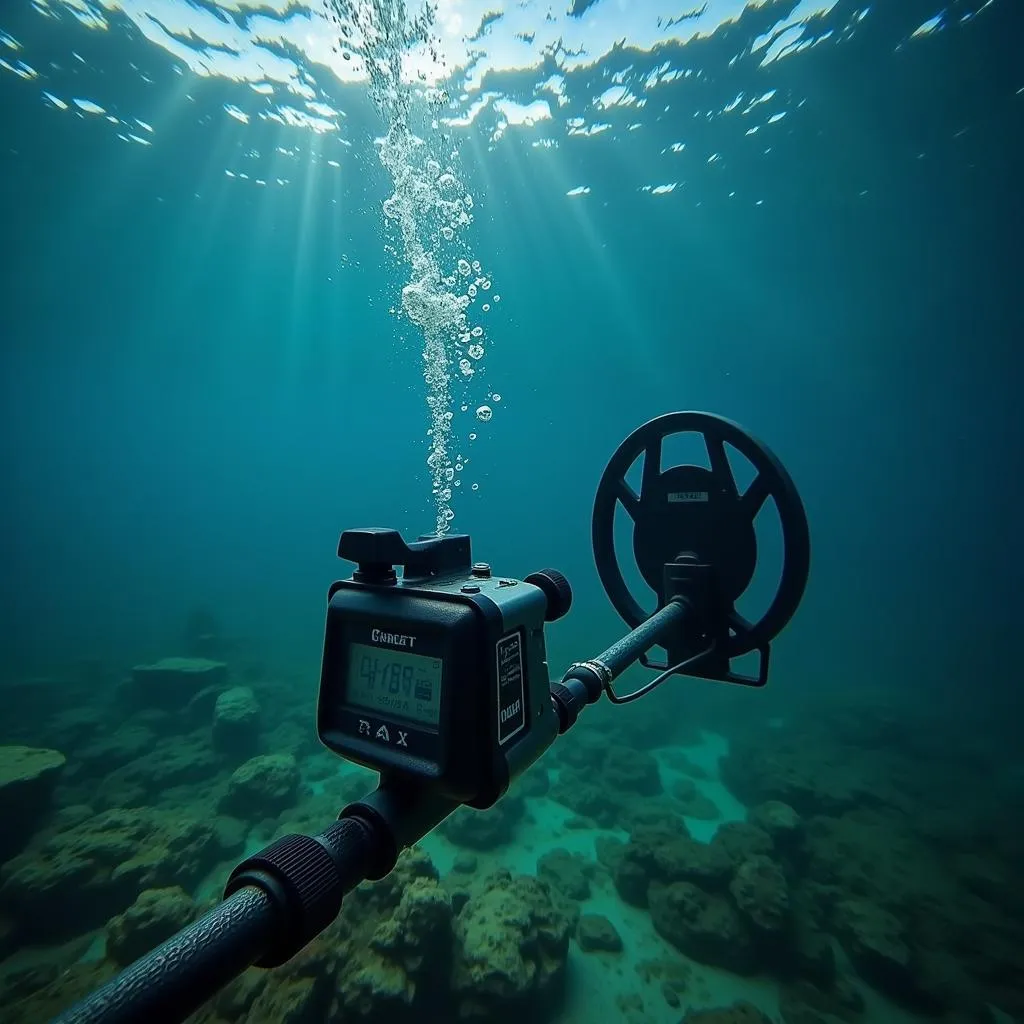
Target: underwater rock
(236, 723)
(171, 683)
(108, 750)
(153, 918)
(609, 852)
(184, 760)
(421, 922)
(28, 776)
(761, 895)
(71, 984)
(290, 1001)
(262, 787)
(706, 927)
(72, 727)
(740, 1012)
(398, 961)
(739, 840)
(655, 812)
(805, 770)
(595, 933)
(512, 943)
(812, 952)
(566, 873)
(666, 853)
(875, 942)
(582, 748)
(780, 822)
(630, 771)
(485, 830)
(587, 798)
(73, 880)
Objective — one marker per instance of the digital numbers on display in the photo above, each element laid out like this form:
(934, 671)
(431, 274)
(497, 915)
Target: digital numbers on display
(396, 682)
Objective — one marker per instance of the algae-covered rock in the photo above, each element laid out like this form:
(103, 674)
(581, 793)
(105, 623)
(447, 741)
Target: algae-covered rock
(512, 942)
(171, 683)
(761, 895)
(705, 927)
(71, 984)
(485, 830)
(236, 723)
(596, 933)
(781, 822)
(75, 879)
(28, 776)
(875, 942)
(567, 873)
(262, 787)
(153, 918)
(739, 840)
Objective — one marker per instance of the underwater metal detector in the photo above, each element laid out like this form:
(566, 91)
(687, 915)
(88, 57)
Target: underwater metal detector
(438, 680)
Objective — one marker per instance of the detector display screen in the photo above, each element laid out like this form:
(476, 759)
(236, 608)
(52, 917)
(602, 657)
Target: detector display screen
(394, 683)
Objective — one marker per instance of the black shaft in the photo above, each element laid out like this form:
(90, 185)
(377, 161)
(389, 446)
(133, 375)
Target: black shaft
(585, 681)
(653, 631)
(165, 986)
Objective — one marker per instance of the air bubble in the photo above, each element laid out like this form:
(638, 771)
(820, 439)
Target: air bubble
(484, 413)
(486, 307)
(472, 437)
(476, 487)
(497, 298)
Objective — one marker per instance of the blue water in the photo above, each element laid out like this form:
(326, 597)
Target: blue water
(804, 217)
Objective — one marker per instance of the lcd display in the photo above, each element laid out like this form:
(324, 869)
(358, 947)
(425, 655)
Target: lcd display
(394, 683)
